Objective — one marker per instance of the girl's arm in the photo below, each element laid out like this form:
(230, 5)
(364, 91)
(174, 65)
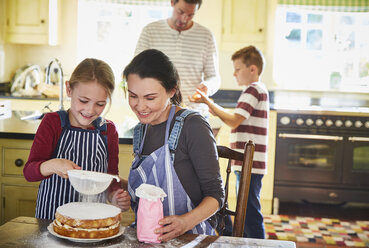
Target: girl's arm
(44, 143)
(117, 196)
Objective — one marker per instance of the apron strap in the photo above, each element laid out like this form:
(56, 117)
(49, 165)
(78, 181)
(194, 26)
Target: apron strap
(176, 131)
(64, 120)
(140, 132)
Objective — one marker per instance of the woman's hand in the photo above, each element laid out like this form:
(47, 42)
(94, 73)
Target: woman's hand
(58, 166)
(173, 226)
(121, 199)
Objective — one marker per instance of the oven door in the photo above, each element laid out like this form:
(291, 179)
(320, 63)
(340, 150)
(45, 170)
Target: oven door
(308, 158)
(356, 159)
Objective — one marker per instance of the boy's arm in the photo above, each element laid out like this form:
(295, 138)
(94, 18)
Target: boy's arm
(232, 120)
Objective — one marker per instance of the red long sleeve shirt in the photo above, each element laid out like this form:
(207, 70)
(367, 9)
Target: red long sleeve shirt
(46, 140)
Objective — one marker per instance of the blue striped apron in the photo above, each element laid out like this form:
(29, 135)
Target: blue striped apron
(157, 169)
(86, 148)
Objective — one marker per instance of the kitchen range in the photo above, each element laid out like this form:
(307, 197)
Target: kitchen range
(322, 156)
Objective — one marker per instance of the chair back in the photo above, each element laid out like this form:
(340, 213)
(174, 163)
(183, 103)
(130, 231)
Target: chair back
(243, 192)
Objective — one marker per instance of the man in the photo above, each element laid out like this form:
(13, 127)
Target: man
(190, 46)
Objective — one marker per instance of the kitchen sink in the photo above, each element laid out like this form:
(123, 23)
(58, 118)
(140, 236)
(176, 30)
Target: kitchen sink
(29, 115)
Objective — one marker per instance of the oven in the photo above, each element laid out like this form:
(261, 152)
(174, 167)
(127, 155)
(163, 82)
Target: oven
(322, 158)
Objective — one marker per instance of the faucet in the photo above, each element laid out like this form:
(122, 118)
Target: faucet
(47, 80)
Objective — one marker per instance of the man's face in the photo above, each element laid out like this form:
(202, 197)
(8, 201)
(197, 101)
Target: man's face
(182, 15)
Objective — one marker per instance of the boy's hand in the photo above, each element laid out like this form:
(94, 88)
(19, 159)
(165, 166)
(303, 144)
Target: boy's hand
(121, 199)
(198, 97)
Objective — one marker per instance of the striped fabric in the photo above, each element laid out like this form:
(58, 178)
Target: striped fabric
(192, 51)
(253, 104)
(86, 148)
(329, 5)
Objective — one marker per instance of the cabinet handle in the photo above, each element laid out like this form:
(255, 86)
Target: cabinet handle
(19, 162)
(260, 30)
(42, 21)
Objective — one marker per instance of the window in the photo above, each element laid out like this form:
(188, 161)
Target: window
(321, 50)
(109, 29)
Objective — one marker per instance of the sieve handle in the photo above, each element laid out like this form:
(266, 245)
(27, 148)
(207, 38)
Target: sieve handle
(116, 177)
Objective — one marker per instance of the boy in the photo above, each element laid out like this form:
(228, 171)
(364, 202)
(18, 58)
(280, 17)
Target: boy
(248, 122)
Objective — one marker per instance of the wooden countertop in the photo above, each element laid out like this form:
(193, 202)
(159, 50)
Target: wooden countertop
(32, 232)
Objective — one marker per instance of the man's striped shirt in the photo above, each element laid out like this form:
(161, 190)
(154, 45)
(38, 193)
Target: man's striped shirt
(192, 51)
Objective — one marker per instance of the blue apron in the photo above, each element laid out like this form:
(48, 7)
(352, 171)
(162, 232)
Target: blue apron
(86, 148)
(157, 169)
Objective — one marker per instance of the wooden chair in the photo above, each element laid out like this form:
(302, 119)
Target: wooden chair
(243, 191)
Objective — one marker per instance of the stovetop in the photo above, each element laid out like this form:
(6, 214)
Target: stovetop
(322, 121)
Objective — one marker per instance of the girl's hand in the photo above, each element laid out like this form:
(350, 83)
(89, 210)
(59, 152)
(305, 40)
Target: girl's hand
(121, 199)
(173, 226)
(58, 166)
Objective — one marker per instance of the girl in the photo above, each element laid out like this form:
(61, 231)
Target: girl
(76, 139)
(174, 147)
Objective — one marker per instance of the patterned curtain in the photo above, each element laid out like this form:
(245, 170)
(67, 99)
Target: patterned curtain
(329, 5)
(135, 2)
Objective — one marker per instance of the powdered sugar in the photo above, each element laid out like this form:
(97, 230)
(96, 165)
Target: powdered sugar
(88, 210)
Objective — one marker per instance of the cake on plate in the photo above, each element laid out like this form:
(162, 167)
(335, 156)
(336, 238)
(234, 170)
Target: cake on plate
(87, 220)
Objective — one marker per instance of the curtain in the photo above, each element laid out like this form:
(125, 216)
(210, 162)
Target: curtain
(329, 5)
(135, 2)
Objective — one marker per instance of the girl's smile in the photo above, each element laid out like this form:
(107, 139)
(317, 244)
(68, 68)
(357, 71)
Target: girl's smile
(88, 101)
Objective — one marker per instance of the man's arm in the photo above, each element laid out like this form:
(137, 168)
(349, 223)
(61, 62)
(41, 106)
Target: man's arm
(211, 68)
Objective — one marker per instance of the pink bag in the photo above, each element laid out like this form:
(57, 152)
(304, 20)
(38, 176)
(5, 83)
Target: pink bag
(150, 211)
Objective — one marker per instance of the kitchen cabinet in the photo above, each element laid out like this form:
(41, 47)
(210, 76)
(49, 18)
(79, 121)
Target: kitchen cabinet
(32, 21)
(125, 161)
(18, 197)
(244, 22)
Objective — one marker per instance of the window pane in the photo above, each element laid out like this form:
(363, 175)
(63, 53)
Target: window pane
(312, 18)
(293, 17)
(314, 39)
(321, 50)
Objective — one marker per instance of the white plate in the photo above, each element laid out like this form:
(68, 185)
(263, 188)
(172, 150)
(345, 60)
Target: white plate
(51, 230)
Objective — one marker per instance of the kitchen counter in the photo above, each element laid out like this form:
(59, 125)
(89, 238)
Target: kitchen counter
(32, 232)
(12, 127)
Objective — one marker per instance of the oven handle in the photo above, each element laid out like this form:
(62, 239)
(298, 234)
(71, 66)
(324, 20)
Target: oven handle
(353, 139)
(307, 136)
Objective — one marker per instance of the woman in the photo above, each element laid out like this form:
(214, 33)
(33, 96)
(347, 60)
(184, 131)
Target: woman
(174, 147)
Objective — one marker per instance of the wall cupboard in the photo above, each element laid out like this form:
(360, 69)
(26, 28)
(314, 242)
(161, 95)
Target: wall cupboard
(32, 21)
(244, 21)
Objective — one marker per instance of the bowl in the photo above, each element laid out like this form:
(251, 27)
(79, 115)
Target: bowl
(90, 182)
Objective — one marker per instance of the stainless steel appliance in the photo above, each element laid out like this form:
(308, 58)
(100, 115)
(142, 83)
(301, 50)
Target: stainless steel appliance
(322, 157)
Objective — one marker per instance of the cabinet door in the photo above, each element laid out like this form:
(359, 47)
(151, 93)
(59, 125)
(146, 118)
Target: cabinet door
(28, 21)
(125, 160)
(244, 20)
(18, 201)
(27, 16)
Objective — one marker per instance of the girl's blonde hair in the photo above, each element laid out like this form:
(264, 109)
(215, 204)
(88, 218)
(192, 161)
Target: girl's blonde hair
(91, 69)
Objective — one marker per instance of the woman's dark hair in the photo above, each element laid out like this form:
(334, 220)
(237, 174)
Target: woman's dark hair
(155, 64)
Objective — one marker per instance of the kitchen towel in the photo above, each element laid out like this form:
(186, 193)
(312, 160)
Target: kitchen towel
(324, 231)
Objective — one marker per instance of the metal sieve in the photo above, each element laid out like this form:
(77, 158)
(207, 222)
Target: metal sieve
(90, 182)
